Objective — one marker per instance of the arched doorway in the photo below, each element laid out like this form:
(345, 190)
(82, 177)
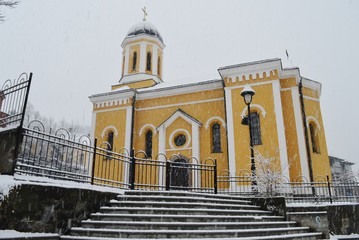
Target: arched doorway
(180, 173)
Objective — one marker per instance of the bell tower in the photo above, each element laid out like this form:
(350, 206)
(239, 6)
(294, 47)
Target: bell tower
(142, 56)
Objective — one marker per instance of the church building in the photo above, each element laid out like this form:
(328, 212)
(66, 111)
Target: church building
(205, 119)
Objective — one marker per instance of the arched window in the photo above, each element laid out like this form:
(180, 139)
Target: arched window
(159, 66)
(149, 143)
(110, 141)
(134, 61)
(256, 129)
(314, 137)
(216, 138)
(148, 65)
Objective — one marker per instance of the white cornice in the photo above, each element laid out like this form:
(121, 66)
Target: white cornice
(138, 77)
(180, 89)
(290, 72)
(308, 83)
(112, 96)
(180, 104)
(183, 115)
(250, 68)
(142, 37)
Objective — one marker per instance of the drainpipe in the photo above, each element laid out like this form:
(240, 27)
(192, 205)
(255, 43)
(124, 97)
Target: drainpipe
(300, 87)
(133, 120)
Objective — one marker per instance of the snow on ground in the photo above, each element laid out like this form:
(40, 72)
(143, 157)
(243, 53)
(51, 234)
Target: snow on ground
(351, 236)
(8, 182)
(320, 204)
(5, 234)
(9, 127)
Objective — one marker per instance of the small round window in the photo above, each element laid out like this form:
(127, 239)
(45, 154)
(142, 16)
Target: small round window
(180, 140)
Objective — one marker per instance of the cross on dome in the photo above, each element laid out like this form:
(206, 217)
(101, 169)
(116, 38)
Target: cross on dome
(144, 13)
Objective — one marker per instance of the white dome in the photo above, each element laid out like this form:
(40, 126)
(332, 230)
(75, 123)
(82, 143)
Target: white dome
(144, 27)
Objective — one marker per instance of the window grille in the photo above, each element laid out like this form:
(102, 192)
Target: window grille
(134, 61)
(149, 143)
(216, 138)
(256, 129)
(148, 68)
(314, 138)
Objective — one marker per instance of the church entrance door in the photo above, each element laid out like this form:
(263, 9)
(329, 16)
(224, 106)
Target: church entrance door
(179, 174)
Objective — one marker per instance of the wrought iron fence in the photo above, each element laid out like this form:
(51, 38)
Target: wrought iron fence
(13, 100)
(321, 190)
(55, 155)
(59, 155)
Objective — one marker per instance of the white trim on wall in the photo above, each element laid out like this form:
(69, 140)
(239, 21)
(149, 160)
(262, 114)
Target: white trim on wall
(283, 155)
(230, 127)
(127, 59)
(154, 59)
(300, 133)
(161, 150)
(188, 136)
(180, 104)
(257, 106)
(110, 110)
(143, 57)
(252, 84)
(108, 128)
(214, 118)
(196, 180)
(128, 139)
(311, 118)
(311, 98)
(147, 126)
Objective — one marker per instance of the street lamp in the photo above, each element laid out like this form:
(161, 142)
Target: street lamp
(247, 94)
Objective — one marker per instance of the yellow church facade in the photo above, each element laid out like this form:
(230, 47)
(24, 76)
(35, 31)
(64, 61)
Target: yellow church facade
(204, 119)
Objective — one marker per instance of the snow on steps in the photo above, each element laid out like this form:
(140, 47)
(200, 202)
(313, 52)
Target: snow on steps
(183, 215)
(156, 233)
(301, 236)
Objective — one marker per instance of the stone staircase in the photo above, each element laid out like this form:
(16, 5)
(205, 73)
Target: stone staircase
(184, 215)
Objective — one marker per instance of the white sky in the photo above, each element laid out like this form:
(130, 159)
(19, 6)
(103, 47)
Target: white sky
(74, 49)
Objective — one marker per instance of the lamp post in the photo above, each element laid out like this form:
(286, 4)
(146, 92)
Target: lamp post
(247, 94)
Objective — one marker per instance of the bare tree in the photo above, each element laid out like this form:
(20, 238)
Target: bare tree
(9, 4)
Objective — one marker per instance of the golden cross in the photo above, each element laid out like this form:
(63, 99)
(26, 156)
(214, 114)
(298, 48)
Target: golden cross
(144, 13)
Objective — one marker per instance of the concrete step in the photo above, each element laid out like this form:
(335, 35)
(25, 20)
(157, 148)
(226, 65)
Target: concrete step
(184, 225)
(181, 211)
(182, 218)
(309, 208)
(182, 198)
(298, 236)
(178, 204)
(131, 233)
(187, 194)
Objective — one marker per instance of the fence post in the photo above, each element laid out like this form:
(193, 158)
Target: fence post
(93, 161)
(168, 175)
(132, 169)
(20, 133)
(215, 177)
(330, 191)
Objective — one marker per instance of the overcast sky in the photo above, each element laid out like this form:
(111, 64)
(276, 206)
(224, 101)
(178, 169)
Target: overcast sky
(74, 49)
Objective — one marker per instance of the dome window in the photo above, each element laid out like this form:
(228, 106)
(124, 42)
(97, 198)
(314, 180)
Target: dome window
(134, 61)
(148, 66)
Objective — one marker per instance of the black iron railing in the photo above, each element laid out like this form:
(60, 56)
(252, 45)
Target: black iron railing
(322, 190)
(13, 100)
(59, 155)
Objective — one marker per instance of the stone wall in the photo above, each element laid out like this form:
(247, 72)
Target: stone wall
(34, 208)
(343, 219)
(7, 150)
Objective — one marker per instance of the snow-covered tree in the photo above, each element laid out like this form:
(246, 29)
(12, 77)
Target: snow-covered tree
(269, 177)
(9, 4)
